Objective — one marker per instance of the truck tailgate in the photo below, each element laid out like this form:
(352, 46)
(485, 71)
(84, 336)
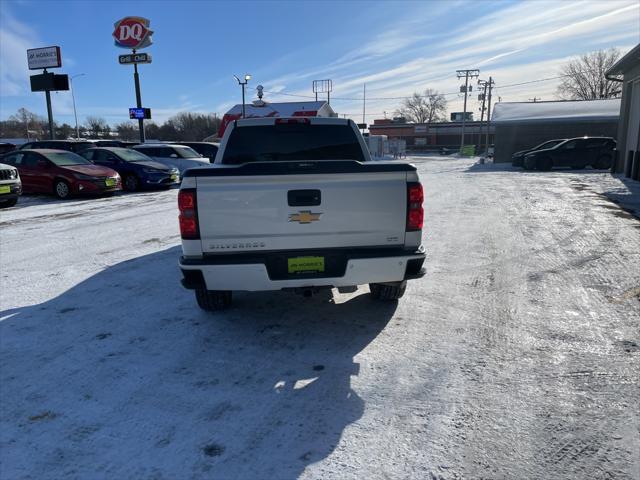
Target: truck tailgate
(358, 207)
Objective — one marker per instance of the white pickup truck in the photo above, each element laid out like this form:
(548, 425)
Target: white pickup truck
(296, 203)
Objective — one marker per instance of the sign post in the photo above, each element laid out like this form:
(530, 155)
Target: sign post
(43, 58)
(134, 33)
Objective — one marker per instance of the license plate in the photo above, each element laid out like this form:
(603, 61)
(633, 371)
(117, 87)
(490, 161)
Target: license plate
(110, 182)
(174, 177)
(5, 189)
(306, 265)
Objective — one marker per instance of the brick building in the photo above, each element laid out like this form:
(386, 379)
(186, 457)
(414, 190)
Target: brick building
(432, 136)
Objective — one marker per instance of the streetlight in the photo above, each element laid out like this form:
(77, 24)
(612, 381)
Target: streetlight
(247, 77)
(73, 97)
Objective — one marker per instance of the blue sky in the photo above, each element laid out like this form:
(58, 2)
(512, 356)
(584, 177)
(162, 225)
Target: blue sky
(394, 47)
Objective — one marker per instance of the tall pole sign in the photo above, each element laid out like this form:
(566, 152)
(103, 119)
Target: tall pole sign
(43, 58)
(134, 33)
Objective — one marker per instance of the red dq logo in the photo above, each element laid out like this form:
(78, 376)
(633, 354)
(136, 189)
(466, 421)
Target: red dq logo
(132, 32)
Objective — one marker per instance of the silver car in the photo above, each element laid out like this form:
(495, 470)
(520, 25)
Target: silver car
(172, 155)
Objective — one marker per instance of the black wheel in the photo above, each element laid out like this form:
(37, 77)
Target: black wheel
(528, 165)
(603, 162)
(9, 203)
(61, 189)
(387, 292)
(131, 183)
(544, 164)
(212, 300)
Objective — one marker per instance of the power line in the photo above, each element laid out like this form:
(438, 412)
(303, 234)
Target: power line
(359, 99)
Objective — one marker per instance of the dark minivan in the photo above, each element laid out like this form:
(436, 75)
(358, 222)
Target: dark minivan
(576, 153)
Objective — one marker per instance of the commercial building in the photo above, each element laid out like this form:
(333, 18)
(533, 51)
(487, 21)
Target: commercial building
(261, 109)
(522, 125)
(628, 67)
(432, 136)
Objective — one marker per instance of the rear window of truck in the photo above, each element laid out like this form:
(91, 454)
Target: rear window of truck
(292, 142)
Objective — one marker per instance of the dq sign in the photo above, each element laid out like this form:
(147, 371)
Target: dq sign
(132, 32)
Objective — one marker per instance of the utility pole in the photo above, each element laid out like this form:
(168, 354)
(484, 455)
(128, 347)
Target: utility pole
(473, 73)
(364, 104)
(535, 99)
(490, 84)
(73, 97)
(484, 84)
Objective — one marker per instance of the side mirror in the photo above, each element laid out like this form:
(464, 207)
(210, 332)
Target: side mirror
(173, 155)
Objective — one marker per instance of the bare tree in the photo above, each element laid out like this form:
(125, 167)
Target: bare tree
(426, 108)
(96, 126)
(28, 123)
(127, 131)
(584, 77)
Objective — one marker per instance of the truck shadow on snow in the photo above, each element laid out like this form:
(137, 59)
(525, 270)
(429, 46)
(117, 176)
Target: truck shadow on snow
(122, 376)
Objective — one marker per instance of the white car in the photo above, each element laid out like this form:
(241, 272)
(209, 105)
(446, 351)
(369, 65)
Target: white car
(10, 185)
(172, 155)
(297, 203)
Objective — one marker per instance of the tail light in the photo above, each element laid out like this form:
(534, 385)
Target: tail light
(415, 212)
(188, 218)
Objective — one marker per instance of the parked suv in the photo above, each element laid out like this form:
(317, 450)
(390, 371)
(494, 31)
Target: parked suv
(10, 185)
(174, 156)
(575, 153)
(136, 169)
(517, 159)
(74, 146)
(206, 149)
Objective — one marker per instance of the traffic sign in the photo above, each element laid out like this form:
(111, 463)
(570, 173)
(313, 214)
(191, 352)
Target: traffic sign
(139, 113)
(132, 58)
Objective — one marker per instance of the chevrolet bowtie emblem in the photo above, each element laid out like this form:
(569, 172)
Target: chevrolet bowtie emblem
(304, 217)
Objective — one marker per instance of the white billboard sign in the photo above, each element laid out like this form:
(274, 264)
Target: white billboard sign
(46, 57)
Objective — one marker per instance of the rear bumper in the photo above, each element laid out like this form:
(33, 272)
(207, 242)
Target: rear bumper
(268, 272)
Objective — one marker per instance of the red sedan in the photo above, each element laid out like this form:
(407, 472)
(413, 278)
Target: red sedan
(62, 173)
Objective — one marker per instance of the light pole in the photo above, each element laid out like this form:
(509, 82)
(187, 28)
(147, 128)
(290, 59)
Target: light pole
(73, 97)
(242, 84)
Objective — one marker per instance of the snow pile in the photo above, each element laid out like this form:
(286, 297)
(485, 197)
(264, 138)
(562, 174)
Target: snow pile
(549, 111)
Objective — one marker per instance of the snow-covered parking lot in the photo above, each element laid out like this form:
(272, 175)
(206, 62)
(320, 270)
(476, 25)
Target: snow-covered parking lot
(516, 357)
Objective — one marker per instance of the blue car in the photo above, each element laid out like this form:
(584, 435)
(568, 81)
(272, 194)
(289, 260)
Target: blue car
(137, 170)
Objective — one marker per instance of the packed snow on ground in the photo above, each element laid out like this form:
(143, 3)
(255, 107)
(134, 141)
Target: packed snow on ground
(517, 356)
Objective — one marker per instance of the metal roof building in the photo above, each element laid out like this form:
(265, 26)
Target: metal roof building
(523, 125)
(260, 109)
(629, 127)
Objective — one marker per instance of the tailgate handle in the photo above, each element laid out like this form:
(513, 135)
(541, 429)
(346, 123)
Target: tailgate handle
(304, 198)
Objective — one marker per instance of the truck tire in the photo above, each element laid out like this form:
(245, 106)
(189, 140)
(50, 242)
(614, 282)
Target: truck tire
(387, 292)
(213, 300)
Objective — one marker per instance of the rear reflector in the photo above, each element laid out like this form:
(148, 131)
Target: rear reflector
(415, 211)
(188, 218)
(292, 121)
